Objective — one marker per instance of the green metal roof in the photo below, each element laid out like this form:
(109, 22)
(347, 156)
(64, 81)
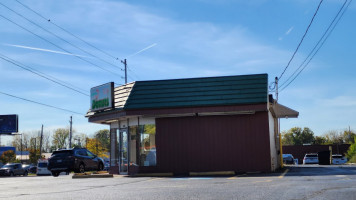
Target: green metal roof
(197, 92)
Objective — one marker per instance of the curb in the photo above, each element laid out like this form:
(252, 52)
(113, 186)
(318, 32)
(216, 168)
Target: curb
(218, 173)
(153, 175)
(92, 176)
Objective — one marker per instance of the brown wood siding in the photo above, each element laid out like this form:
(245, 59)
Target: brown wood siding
(213, 143)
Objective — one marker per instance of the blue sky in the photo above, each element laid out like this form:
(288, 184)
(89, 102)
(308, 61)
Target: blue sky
(195, 38)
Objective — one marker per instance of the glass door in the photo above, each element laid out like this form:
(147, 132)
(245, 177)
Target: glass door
(123, 151)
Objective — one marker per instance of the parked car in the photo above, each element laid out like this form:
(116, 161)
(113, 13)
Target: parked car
(29, 168)
(288, 159)
(106, 165)
(32, 169)
(42, 168)
(311, 158)
(76, 159)
(13, 169)
(338, 159)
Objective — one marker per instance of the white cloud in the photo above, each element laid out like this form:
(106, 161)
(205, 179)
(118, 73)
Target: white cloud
(289, 30)
(45, 50)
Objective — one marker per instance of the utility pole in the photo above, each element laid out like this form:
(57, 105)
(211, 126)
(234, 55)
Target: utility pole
(276, 82)
(125, 64)
(278, 128)
(41, 142)
(21, 148)
(34, 144)
(70, 132)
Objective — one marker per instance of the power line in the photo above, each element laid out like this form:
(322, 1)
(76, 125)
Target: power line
(327, 36)
(57, 45)
(37, 73)
(41, 103)
(48, 20)
(317, 44)
(66, 41)
(133, 73)
(321, 1)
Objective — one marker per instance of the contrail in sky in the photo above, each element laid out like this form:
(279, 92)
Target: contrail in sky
(152, 45)
(46, 50)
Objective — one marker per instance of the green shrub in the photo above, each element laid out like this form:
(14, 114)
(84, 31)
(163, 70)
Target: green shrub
(353, 159)
(351, 153)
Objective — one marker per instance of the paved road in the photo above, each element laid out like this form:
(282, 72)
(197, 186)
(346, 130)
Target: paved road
(298, 182)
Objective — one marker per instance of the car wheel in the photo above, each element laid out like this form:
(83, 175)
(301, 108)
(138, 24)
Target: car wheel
(25, 174)
(100, 167)
(12, 174)
(81, 168)
(55, 174)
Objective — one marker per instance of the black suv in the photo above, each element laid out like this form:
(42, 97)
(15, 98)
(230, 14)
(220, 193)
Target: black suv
(76, 159)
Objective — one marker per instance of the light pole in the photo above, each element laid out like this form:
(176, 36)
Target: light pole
(79, 144)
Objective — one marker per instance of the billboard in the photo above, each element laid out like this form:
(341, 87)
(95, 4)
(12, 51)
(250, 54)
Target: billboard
(8, 124)
(102, 97)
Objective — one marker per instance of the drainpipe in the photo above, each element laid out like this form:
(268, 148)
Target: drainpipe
(280, 149)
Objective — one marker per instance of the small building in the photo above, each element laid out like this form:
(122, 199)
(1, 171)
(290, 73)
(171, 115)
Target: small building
(3, 149)
(23, 156)
(299, 151)
(227, 123)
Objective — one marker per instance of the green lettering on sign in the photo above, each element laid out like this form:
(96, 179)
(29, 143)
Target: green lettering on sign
(102, 103)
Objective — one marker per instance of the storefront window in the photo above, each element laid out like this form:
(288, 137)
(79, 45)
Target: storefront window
(147, 143)
(133, 145)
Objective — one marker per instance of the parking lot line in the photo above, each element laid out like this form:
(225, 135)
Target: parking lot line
(265, 181)
(238, 176)
(154, 179)
(284, 173)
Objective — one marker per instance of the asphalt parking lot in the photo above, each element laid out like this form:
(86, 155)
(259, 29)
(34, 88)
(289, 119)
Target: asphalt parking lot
(294, 182)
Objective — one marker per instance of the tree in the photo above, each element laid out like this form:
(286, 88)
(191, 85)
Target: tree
(8, 157)
(60, 138)
(348, 136)
(334, 137)
(34, 155)
(297, 136)
(79, 140)
(46, 142)
(351, 153)
(104, 137)
(319, 140)
(23, 139)
(94, 145)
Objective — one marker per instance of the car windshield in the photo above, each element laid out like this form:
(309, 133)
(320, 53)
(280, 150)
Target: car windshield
(44, 164)
(311, 156)
(7, 166)
(337, 156)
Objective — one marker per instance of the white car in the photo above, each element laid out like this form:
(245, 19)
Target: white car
(338, 159)
(42, 168)
(311, 158)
